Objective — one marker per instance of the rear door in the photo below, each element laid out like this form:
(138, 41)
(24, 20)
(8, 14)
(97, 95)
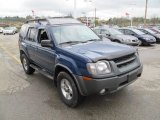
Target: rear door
(31, 43)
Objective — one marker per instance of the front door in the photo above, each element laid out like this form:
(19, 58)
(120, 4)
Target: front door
(46, 55)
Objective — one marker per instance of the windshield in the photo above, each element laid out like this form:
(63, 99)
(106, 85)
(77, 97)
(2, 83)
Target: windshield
(138, 32)
(73, 33)
(115, 32)
(8, 28)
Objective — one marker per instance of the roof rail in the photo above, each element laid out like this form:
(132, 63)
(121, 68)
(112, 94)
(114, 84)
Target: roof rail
(37, 20)
(61, 17)
(45, 19)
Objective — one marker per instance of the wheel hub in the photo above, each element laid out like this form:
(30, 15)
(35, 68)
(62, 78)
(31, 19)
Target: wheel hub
(25, 64)
(66, 89)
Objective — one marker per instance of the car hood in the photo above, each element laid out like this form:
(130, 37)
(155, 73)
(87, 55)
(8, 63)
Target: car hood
(101, 50)
(158, 35)
(148, 36)
(126, 37)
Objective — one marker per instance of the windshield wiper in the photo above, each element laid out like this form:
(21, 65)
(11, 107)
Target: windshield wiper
(76, 42)
(71, 42)
(93, 40)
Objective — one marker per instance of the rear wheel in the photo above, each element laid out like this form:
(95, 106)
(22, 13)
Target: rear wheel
(68, 90)
(26, 65)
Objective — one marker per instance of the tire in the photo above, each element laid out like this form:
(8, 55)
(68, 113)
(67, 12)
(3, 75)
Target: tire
(68, 90)
(26, 65)
(140, 43)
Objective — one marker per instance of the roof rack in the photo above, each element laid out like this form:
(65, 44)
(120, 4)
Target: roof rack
(54, 20)
(39, 20)
(45, 19)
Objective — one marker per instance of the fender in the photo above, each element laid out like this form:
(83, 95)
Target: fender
(73, 75)
(25, 51)
(69, 63)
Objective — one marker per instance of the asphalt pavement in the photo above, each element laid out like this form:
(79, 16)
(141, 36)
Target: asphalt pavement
(34, 97)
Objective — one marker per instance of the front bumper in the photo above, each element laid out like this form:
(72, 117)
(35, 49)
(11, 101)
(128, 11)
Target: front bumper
(132, 43)
(110, 84)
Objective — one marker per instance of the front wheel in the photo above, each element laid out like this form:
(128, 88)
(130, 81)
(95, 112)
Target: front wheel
(68, 90)
(26, 65)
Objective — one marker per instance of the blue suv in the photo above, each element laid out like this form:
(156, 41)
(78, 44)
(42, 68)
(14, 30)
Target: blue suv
(76, 59)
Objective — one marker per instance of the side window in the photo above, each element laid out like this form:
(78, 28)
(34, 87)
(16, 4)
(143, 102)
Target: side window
(122, 31)
(32, 34)
(97, 31)
(144, 31)
(103, 31)
(129, 32)
(42, 35)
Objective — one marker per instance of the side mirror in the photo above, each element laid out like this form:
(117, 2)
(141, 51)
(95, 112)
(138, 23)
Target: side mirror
(108, 34)
(46, 43)
(100, 36)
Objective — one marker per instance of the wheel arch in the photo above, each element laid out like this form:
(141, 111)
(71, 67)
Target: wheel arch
(59, 68)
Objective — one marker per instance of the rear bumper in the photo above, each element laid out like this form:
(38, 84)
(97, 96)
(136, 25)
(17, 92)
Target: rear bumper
(110, 84)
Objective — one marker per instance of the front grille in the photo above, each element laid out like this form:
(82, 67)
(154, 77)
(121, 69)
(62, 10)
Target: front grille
(125, 60)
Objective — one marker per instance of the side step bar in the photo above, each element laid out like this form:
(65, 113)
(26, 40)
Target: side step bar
(42, 71)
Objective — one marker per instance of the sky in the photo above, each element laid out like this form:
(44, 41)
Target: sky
(105, 8)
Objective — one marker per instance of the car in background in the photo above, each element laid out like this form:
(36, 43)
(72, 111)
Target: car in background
(9, 30)
(15, 29)
(150, 32)
(116, 36)
(155, 29)
(1, 30)
(144, 38)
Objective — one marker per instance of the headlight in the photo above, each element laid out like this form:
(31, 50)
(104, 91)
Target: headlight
(99, 68)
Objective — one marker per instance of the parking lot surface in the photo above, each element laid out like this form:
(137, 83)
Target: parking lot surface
(24, 97)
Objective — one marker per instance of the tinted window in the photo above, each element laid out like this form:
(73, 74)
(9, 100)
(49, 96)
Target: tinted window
(23, 31)
(143, 31)
(114, 32)
(103, 31)
(129, 32)
(121, 30)
(42, 35)
(138, 32)
(32, 34)
(97, 31)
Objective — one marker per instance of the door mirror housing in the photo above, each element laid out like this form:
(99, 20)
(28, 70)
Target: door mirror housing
(108, 34)
(100, 36)
(46, 43)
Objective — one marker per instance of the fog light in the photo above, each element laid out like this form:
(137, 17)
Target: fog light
(102, 91)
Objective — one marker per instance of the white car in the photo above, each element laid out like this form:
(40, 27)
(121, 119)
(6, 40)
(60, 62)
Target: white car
(1, 29)
(9, 30)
